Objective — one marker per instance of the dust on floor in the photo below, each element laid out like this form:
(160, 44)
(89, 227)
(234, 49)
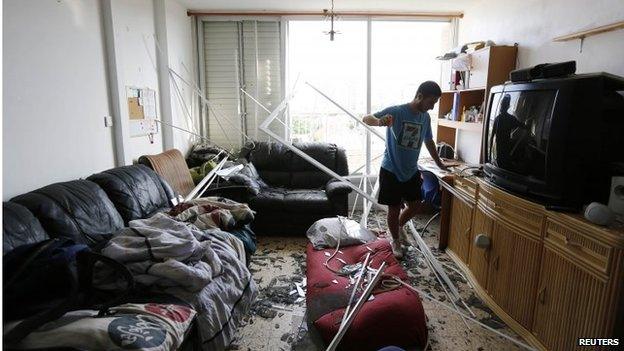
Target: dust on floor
(277, 319)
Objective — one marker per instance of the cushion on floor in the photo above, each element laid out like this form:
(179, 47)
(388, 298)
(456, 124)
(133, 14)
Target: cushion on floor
(394, 317)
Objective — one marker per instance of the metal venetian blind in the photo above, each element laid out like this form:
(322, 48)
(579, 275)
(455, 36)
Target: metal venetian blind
(221, 60)
(263, 72)
(241, 54)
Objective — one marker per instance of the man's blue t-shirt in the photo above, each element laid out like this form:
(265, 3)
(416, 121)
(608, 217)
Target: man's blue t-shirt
(403, 142)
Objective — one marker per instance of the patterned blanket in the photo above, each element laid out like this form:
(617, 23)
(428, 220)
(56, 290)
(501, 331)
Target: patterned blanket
(152, 326)
(200, 267)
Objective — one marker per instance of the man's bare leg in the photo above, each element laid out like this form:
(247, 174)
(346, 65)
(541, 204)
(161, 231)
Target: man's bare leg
(413, 208)
(393, 218)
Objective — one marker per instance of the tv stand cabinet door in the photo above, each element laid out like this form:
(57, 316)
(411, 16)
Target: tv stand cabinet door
(571, 303)
(513, 271)
(478, 260)
(459, 232)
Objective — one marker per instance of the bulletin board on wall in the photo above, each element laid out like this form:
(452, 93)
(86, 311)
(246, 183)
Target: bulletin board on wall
(142, 111)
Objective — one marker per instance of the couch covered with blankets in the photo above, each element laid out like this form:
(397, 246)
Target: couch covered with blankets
(188, 261)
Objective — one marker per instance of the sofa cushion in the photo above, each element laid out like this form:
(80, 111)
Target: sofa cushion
(309, 179)
(19, 227)
(321, 152)
(269, 200)
(136, 191)
(307, 201)
(273, 156)
(79, 210)
(306, 175)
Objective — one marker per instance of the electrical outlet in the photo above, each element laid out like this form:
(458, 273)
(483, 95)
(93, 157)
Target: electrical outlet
(108, 121)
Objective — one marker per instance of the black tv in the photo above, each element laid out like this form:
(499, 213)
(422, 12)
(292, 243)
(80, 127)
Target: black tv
(555, 140)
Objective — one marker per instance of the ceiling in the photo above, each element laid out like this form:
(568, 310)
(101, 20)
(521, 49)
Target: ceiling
(339, 5)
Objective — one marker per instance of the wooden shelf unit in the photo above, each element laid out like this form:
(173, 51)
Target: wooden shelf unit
(473, 126)
(552, 277)
(490, 66)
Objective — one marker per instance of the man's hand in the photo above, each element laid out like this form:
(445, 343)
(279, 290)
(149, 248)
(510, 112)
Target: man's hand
(386, 121)
(442, 166)
(431, 147)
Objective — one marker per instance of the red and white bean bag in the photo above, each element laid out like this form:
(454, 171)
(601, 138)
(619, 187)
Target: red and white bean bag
(393, 317)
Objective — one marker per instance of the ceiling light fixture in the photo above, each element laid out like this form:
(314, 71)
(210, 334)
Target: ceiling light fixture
(331, 15)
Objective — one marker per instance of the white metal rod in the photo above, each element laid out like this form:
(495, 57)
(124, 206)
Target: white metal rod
(356, 196)
(357, 285)
(354, 117)
(437, 276)
(425, 249)
(364, 165)
(436, 266)
(204, 181)
(368, 206)
(365, 295)
(189, 118)
(432, 299)
(184, 130)
(255, 100)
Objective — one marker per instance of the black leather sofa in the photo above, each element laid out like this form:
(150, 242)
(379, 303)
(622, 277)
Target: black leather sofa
(89, 212)
(288, 193)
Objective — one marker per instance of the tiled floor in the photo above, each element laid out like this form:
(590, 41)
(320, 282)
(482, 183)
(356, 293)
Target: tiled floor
(276, 321)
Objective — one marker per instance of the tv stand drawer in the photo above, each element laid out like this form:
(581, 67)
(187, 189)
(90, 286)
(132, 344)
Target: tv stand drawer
(466, 186)
(577, 246)
(513, 210)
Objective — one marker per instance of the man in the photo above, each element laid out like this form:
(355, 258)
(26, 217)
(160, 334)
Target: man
(408, 126)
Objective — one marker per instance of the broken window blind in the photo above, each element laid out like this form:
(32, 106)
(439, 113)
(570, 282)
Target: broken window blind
(262, 73)
(241, 54)
(221, 70)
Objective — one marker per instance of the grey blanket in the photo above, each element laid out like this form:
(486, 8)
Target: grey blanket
(199, 267)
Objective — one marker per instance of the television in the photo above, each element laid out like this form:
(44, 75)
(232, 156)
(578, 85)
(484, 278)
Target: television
(555, 140)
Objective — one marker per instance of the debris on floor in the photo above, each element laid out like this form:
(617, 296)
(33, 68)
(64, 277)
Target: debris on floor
(277, 320)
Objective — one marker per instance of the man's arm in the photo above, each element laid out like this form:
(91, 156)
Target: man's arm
(377, 122)
(431, 147)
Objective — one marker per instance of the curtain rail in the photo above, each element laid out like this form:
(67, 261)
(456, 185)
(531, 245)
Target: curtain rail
(320, 13)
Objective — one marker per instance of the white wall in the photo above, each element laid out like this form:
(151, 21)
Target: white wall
(54, 94)
(180, 54)
(56, 88)
(134, 26)
(534, 23)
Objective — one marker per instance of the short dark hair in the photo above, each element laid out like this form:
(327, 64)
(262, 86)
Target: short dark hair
(429, 88)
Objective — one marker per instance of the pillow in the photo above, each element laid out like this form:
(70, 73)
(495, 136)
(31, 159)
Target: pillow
(242, 179)
(249, 176)
(328, 232)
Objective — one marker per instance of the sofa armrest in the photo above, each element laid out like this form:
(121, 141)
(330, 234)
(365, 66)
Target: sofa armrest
(336, 187)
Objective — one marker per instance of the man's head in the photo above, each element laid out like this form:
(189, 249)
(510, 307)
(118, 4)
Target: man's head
(427, 95)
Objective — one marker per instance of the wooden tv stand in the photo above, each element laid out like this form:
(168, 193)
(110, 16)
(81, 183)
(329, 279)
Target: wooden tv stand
(552, 277)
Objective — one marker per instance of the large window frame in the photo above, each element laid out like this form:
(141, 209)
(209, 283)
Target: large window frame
(285, 86)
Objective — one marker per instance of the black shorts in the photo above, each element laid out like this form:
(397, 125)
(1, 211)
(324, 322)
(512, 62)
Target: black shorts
(393, 192)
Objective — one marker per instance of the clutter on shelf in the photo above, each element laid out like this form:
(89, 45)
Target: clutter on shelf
(465, 48)
(470, 114)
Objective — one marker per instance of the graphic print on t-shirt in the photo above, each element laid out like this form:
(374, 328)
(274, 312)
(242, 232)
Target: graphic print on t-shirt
(410, 135)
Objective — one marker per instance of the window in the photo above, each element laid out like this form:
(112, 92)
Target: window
(338, 69)
(399, 65)
(250, 54)
(402, 56)
(240, 54)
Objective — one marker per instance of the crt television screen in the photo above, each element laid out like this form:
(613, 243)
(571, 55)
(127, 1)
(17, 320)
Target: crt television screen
(518, 135)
